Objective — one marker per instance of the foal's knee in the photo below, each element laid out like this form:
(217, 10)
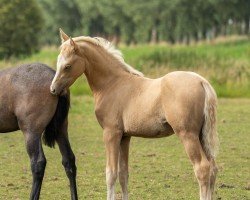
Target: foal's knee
(38, 168)
(111, 177)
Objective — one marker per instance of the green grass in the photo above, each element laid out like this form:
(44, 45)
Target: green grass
(159, 168)
(193, 56)
(225, 64)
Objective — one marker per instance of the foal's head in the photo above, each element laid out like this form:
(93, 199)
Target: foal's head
(70, 65)
(81, 55)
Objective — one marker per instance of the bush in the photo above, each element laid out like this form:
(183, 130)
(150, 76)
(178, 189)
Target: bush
(20, 24)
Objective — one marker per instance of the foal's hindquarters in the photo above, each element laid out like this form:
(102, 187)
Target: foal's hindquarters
(182, 103)
(26, 104)
(190, 108)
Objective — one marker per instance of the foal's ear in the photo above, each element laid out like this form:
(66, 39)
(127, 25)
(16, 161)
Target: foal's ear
(64, 36)
(72, 43)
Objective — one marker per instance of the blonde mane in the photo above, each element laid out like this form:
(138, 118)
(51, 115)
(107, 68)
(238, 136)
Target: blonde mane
(109, 47)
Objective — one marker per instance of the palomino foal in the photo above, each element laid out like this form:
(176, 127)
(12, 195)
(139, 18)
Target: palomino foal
(127, 104)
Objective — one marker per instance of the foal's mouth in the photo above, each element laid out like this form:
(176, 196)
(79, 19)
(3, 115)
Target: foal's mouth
(60, 92)
(54, 91)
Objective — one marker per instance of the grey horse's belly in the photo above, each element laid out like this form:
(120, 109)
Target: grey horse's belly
(8, 121)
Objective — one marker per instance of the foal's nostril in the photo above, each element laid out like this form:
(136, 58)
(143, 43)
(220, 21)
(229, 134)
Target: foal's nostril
(53, 91)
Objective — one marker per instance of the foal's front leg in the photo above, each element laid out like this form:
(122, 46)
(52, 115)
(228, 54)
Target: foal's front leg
(112, 139)
(123, 166)
(68, 159)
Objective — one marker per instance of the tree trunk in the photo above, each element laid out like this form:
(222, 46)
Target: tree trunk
(216, 31)
(154, 35)
(171, 39)
(187, 39)
(247, 22)
(204, 34)
(196, 36)
(224, 29)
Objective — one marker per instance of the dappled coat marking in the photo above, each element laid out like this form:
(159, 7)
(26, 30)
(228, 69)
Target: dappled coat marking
(27, 104)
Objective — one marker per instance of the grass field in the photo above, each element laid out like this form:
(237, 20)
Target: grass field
(159, 168)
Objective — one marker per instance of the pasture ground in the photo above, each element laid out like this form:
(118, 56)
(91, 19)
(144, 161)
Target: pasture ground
(159, 168)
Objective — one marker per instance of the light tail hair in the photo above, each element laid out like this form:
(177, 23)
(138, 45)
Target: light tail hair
(209, 137)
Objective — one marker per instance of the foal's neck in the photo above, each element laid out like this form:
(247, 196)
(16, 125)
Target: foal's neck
(103, 72)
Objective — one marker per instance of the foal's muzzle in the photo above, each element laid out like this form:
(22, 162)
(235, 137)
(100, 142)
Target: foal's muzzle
(58, 91)
(53, 90)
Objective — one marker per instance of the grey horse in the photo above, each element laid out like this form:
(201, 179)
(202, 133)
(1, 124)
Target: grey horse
(26, 104)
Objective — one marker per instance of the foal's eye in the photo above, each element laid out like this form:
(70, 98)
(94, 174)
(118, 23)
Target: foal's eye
(67, 67)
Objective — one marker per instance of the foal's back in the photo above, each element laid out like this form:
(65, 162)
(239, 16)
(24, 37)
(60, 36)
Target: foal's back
(23, 90)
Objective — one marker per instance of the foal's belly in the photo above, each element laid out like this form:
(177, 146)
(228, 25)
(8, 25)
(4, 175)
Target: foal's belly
(153, 133)
(151, 129)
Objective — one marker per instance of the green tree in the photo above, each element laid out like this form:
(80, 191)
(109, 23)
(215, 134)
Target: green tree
(143, 21)
(63, 14)
(20, 22)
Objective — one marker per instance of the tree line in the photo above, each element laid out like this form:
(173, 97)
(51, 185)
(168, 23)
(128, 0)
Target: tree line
(28, 24)
(142, 21)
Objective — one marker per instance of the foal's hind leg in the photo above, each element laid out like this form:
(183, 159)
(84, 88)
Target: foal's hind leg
(201, 164)
(214, 171)
(38, 162)
(68, 159)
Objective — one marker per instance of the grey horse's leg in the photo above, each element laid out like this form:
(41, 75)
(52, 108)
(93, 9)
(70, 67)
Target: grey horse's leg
(38, 162)
(68, 159)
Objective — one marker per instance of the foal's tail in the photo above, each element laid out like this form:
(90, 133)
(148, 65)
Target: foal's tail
(54, 127)
(209, 137)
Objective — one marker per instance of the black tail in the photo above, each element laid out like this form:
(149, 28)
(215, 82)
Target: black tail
(53, 128)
